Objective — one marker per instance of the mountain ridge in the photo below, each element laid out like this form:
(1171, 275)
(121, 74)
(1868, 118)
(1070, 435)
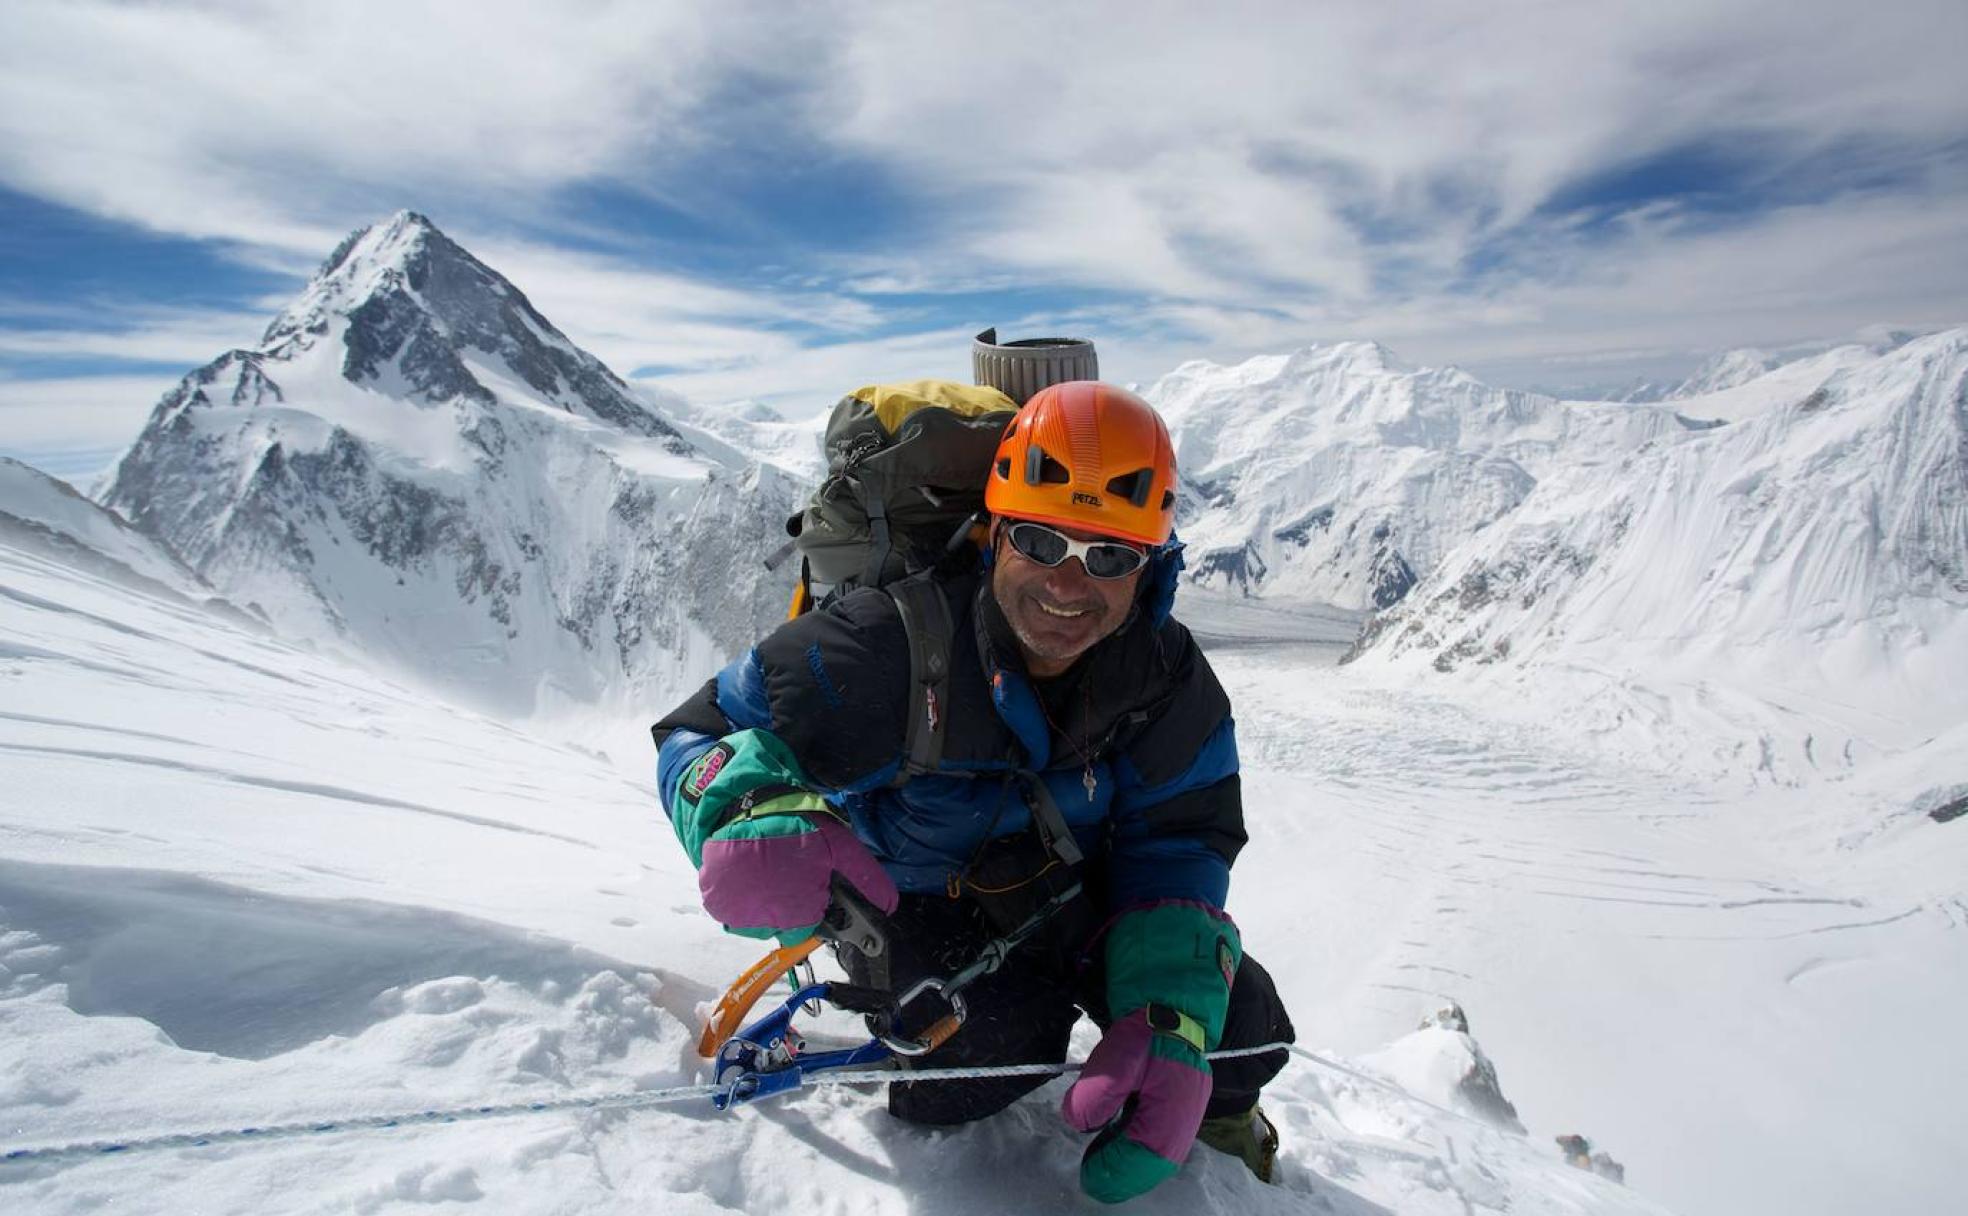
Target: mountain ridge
(1813, 548)
(1340, 474)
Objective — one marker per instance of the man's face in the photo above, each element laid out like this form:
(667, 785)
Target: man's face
(1057, 612)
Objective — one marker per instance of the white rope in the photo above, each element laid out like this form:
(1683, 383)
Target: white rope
(326, 1127)
(626, 1100)
(986, 1072)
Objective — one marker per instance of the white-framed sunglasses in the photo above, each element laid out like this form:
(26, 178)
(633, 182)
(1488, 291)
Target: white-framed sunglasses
(1102, 559)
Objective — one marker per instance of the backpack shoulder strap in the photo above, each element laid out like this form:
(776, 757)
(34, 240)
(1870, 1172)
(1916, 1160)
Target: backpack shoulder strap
(879, 542)
(1049, 821)
(926, 620)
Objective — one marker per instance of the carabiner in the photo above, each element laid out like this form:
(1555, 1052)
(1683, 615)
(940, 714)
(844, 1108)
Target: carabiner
(939, 1031)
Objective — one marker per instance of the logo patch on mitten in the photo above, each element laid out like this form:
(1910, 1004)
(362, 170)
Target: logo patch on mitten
(705, 770)
(1226, 960)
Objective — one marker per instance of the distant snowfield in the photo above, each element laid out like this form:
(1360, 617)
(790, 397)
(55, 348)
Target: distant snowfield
(246, 885)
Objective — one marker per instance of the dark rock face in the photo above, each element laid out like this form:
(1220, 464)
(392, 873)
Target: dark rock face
(1392, 578)
(1522, 579)
(1479, 1086)
(395, 329)
(1299, 532)
(1241, 567)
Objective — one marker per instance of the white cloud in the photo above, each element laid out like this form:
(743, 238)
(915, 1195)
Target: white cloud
(1649, 303)
(1185, 150)
(262, 122)
(801, 381)
(633, 318)
(1243, 177)
(75, 427)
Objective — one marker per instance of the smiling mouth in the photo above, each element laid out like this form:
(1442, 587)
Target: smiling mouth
(1065, 614)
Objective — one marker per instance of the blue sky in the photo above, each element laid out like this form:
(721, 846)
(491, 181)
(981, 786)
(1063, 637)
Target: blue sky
(776, 202)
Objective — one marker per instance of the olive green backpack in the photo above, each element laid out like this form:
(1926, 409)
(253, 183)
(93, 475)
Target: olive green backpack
(906, 467)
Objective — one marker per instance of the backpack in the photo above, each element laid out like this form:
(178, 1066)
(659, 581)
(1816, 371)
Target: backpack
(906, 467)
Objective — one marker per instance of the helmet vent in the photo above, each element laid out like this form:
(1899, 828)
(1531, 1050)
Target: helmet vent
(1133, 486)
(1168, 500)
(1004, 468)
(1042, 469)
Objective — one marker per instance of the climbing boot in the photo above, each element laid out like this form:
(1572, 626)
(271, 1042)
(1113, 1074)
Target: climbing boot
(1248, 1136)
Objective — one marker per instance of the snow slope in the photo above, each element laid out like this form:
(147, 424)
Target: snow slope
(413, 466)
(1340, 476)
(755, 432)
(1732, 392)
(1739, 994)
(245, 884)
(39, 513)
(1655, 772)
(1800, 577)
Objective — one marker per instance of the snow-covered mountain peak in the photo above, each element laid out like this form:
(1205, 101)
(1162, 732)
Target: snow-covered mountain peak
(1726, 370)
(1355, 356)
(417, 465)
(367, 256)
(371, 261)
(413, 314)
(1315, 364)
(1747, 372)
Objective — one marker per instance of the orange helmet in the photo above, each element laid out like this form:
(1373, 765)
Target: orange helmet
(1090, 456)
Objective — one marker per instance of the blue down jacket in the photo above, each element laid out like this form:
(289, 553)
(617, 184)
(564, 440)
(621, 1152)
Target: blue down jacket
(1141, 714)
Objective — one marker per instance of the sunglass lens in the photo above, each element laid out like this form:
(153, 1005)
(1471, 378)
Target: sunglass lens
(1112, 561)
(1042, 545)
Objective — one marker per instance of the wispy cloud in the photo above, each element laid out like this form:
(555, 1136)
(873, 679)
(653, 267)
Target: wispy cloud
(633, 318)
(1366, 152)
(74, 427)
(125, 333)
(1501, 183)
(801, 380)
(260, 122)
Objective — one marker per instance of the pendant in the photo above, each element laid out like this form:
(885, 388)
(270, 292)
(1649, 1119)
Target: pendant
(1088, 781)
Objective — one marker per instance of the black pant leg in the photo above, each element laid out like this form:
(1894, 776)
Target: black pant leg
(1256, 1016)
(1020, 1014)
